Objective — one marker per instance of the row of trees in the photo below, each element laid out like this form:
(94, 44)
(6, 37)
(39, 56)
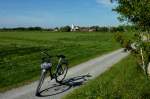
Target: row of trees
(26, 29)
(114, 29)
(68, 29)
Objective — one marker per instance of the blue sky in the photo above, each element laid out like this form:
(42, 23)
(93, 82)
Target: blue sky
(52, 13)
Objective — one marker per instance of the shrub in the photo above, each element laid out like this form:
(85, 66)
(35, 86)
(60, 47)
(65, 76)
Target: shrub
(65, 29)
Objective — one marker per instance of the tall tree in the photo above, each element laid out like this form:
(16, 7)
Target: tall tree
(135, 11)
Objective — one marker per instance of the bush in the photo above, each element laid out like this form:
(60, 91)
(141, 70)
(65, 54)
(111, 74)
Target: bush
(103, 29)
(120, 38)
(65, 29)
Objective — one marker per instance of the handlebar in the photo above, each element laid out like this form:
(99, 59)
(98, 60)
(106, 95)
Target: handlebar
(46, 54)
(59, 56)
(48, 59)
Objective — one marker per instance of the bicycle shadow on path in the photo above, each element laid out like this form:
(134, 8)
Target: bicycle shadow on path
(64, 86)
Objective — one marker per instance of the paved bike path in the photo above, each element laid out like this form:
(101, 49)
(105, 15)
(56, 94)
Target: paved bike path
(76, 76)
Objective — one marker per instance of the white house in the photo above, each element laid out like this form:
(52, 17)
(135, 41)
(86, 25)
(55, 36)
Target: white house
(74, 28)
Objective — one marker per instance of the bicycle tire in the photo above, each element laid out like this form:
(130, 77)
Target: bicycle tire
(42, 77)
(60, 77)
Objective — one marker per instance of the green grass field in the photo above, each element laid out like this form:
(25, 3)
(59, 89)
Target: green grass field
(123, 81)
(20, 52)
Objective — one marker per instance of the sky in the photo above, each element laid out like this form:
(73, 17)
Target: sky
(56, 13)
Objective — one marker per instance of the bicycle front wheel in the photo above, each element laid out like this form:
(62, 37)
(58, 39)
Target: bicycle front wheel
(43, 74)
(61, 73)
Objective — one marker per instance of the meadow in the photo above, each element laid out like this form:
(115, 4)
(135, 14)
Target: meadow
(20, 55)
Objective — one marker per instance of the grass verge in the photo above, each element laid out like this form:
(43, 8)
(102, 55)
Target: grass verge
(123, 81)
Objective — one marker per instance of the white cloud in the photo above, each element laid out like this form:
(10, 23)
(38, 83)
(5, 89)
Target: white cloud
(104, 2)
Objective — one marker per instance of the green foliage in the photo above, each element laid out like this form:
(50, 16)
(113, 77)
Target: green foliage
(108, 29)
(23, 29)
(120, 37)
(20, 52)
(103, 29)
(65, 29)
(125, 39)
(137, 12)
(134, 11)
(123, 81)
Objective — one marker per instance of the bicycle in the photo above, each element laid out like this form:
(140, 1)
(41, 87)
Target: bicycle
(46, 66)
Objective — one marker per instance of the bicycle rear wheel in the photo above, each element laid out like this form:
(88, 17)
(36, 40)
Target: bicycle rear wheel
(43, 74)
(61, 72)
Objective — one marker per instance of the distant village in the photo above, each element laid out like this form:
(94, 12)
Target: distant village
(74, 28)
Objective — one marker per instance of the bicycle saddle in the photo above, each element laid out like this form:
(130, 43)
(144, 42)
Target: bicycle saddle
(60, 56)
